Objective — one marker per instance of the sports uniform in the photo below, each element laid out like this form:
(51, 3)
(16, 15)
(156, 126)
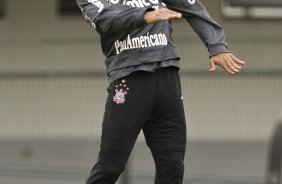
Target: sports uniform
(144, 90)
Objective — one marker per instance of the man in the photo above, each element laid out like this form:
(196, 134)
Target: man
(144, 91)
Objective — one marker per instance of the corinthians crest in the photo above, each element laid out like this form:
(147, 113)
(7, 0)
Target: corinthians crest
(121, 90)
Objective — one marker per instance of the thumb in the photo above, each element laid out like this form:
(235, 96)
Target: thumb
(213, 66)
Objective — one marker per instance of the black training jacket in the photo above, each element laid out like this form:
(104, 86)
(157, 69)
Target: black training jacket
(127, 40)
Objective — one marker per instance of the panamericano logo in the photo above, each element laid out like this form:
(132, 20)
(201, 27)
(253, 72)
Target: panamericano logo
(98, 4)
(140, 42)
(136, 3)
(132, 3)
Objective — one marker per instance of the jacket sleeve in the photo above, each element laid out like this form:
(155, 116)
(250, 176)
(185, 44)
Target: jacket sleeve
(211, 33)
(112, 18)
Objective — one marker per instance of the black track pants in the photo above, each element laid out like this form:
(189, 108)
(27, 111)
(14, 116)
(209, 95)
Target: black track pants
(148, 101)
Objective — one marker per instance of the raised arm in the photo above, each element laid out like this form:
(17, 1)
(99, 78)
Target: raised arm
(211, 33)
(208, 30)
(112, 18)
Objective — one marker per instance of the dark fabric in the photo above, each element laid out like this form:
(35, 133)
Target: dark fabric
(141, 58)
(128, 41)
(153, 103)
(210, 32)
(169, 166)
(151, 67)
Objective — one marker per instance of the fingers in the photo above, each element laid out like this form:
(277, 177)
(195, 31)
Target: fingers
(159, 15)
(234, 63)
(170, 14)
(237, 60)
(232, 66)
(166, 14)
(213, 66)
(225, 63)
(228, 62)
(218, 60)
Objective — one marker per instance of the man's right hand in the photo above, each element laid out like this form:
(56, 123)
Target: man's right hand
(162, 14)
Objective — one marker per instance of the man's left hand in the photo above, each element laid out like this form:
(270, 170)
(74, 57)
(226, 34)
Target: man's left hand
(227, 61)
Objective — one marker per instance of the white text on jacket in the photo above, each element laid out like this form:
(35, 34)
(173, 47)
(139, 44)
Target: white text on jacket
(141, 42)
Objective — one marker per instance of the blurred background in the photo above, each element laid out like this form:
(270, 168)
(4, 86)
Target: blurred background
(53, 88)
